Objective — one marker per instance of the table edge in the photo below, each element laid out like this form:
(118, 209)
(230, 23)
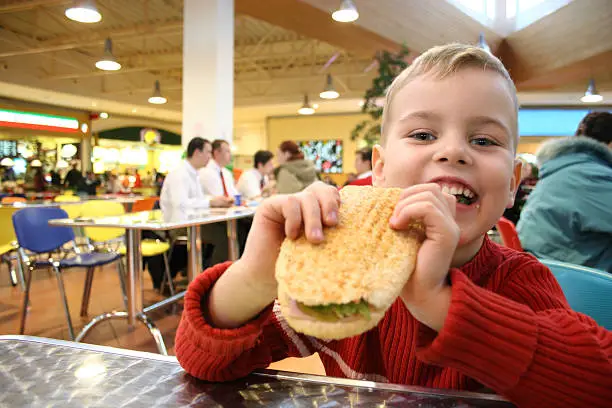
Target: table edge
(279, 375)
(59, 222)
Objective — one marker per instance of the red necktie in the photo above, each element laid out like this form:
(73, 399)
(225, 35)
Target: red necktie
(223, 183)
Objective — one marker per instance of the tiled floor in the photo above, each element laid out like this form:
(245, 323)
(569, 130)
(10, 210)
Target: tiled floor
(46, 316)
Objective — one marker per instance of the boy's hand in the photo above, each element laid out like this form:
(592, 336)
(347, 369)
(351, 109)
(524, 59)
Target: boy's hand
(287, 216)
(427, 294)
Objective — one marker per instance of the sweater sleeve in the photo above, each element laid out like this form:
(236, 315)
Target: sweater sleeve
(525, 342)
(214, 354)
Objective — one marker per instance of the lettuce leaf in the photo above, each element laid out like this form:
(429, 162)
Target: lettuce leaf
(335, 311)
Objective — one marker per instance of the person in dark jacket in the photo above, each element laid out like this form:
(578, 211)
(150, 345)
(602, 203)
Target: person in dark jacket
(568, 216)
(73, 178)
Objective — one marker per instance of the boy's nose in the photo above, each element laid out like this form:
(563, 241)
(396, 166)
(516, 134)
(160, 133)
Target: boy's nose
(453, 154)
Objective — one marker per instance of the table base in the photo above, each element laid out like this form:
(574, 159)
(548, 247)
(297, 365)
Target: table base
(141, 317)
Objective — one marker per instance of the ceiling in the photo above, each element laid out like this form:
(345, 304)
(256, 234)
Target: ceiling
(283, 48)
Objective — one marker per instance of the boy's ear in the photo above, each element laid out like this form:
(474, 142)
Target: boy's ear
(378, 164)
(514, 183)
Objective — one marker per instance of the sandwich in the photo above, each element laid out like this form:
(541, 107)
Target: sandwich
(343, 286)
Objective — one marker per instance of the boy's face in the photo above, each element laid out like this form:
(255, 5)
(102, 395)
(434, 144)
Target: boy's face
(457, 132)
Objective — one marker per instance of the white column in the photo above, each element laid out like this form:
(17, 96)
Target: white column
(208, 69)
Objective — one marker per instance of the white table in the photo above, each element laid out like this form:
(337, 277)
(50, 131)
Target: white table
(153, 220)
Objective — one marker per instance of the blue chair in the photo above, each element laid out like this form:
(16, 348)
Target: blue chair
(587, 290)
(35, 235)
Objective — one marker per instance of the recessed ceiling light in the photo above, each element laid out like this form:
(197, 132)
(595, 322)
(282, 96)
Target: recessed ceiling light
(103, 115)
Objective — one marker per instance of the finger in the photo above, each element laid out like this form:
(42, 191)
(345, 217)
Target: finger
(424, 196)
(449, 201)
(420, 188)
(436, 222)
(311, 215)
(329, 203)
(292, 214)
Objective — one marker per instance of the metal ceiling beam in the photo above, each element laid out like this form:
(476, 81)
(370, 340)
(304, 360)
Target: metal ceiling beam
(16, 6)
(91, 38)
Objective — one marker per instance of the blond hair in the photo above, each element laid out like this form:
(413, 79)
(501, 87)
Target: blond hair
(443, 61)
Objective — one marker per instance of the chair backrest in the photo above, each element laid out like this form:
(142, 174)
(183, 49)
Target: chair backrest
(146, 204)
(12, 200)
(34, 232)
(67, 199)
(508, 234)
(102, 208)
(7, 231)
(73, 210)
(587, 290)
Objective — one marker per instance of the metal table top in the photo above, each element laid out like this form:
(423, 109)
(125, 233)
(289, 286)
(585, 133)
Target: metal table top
(54, 373)
(153, 220)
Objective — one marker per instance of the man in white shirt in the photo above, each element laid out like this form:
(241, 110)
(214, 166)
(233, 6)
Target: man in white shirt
(181, 192)
(215, 179)
(252, 182)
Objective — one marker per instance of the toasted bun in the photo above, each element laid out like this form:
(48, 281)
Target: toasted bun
(361, 258)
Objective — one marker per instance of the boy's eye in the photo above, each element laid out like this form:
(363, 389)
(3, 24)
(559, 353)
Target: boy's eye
(483, 141)
(422, 136)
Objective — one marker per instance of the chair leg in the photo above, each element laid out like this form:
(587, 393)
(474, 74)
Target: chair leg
(87, 291)
(60, 284)
(21, 276)
(26, 299)
(12, 272)
(121, 273)
(167, 276)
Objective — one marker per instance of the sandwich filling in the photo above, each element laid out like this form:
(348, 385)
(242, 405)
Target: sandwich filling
(334, 312)
(463, 194)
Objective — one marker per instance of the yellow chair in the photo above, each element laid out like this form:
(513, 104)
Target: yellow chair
(8, 245)
(66, 198)
(148, 247)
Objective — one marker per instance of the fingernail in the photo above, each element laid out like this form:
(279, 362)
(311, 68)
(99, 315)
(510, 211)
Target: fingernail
(332, 216)
(317, 233)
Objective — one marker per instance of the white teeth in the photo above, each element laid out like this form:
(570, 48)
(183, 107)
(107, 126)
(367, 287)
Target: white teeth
(457, 190)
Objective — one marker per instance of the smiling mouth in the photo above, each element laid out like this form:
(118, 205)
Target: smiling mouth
(463, 194)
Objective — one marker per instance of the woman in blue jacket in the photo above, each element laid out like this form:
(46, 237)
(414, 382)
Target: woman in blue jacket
(568, 217)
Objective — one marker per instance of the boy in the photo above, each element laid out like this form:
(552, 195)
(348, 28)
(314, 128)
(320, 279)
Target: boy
(472, 314)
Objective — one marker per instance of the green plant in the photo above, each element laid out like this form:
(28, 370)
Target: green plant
(389, 66)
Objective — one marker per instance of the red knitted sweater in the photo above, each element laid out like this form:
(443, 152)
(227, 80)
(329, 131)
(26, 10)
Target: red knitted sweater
(508, 328)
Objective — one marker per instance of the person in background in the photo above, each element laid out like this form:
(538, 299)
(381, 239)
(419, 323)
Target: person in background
(56, 179)
(73, 177)
(363, 165)
(350, 178)
(40, 183)
(137, 179)
(252, 183)
(181, 194)
(215, 179)
(113, 186)
(568, 216)
(88, 185)
(528, 180)
(294, 173)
